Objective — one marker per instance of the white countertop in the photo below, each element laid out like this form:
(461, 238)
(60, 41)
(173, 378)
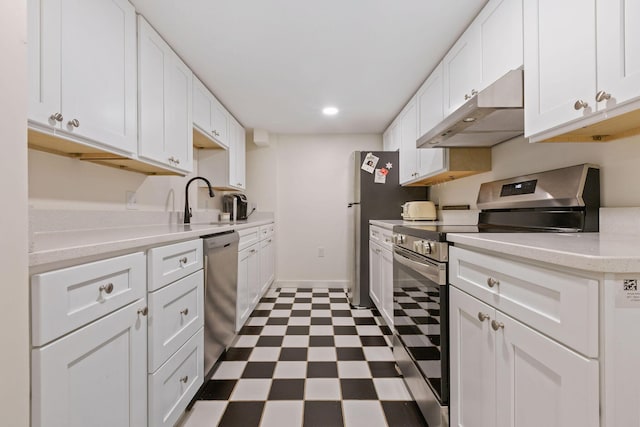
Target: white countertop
(62, 246)
(599, 252)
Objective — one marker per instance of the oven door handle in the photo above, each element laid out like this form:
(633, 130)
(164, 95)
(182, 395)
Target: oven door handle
(431, 271)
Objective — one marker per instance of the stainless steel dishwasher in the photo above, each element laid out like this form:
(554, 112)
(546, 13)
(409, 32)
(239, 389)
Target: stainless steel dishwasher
(220, 295)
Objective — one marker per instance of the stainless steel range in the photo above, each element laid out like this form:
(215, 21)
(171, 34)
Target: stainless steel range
(561, 200)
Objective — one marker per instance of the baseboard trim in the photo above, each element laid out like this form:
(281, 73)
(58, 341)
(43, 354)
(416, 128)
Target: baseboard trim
(342, 284)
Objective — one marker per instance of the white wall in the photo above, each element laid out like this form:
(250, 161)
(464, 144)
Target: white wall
(14, 302)
(306, 180)
(619, 163)
(57, 182)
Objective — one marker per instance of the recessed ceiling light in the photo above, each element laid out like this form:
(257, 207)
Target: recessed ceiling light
(330, 111)
(469, 119)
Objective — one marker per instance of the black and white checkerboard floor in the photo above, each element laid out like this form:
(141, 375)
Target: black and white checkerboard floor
(305, 358)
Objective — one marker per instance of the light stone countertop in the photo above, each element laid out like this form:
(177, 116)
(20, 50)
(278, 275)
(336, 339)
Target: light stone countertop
(596, 252)
(54, 249)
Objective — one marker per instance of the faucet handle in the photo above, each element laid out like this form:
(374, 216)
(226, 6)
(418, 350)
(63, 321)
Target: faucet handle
(190, 214)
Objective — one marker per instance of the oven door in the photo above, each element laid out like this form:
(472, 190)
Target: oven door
(421, 321)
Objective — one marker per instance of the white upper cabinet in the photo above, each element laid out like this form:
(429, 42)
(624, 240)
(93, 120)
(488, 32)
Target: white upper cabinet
(575, 79)
(618, 47)
(462, 70)
(500, 31)
(209, 116)
(82, 70)
(560, 62)
(391, 137)
(165, 102)
(430, 100)
(225, 168)
(237, 156)
(408, 134)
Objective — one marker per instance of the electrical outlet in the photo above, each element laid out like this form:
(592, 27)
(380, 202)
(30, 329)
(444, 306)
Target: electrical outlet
(132, 200)
(320, 252)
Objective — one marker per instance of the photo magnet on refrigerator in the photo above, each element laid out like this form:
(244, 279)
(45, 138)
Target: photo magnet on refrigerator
(369, 163)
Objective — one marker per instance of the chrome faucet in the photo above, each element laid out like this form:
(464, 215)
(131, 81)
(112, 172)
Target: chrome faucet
(187, 209)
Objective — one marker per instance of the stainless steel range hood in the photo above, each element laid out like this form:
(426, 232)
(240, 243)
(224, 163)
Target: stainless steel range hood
(494, 115)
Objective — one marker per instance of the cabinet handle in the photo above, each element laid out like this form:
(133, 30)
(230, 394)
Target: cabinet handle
(177, 161)
(108, 288)
(253, 251)
(184, 379)
(144, 311)
(466, 97)
(182, 261)
(74, 123)
(602, 96)
(482, 316)
(491, 282)
(496, 325)
(580, 104)
(185, 312)
(239, 184)
(269, 241)
(473, 92)
(56, 117)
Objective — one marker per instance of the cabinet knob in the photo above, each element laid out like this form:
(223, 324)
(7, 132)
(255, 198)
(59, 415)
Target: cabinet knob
(177, 160)
(185, 312)
(183, 261)
(580, 104)
(482, 316)
(74, 123)
(144, 311)
(108, 288)
(602, 96)
(56, 117)
(496, 325)
(491, 282)
(184, 379)
(466, 97)
(473, 92)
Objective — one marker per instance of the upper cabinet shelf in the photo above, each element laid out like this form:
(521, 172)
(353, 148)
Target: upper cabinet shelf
(581, 86)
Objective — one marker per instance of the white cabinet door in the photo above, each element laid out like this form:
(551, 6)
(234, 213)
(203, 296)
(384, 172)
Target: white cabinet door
(202, 107)
(267, 263)
(178, 114)
(473, 364)
(95, 376)
(386, 286)
(618, 50)
(238, 177)
(391, 138)
(165, 102)
(560, 62)
(430, 100)
(374, 273)
(540, 382)
(220, 122)
(462, 70)
(82, 64)
(500, 27)
(248, 283)
(408, 134)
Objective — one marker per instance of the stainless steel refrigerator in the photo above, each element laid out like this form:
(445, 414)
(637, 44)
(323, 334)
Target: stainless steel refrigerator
(374, 199)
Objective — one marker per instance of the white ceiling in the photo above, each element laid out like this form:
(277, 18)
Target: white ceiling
(276, 63)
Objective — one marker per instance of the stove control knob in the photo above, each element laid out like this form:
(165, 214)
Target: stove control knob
(427, 248)
(398, 239)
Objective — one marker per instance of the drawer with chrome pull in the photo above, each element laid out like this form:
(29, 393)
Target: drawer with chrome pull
(172, 262)
(64, 300)
(175, 314)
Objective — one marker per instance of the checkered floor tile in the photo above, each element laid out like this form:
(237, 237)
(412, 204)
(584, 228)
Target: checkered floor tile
(305, 358)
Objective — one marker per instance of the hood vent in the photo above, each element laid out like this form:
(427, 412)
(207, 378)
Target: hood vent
(494, 115)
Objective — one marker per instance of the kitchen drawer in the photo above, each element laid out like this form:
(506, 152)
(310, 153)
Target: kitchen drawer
(382, 236)
(175, 314)
(267, 231)
(248, 237)
(560, 305)
(170, 263)
(173, 386)
(64, 300)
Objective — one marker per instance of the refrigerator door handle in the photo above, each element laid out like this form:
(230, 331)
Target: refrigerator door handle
(352, 204)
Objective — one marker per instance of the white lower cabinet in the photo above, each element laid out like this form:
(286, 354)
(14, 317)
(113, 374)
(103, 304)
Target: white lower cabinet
(95, 376)
(256, 268)
(381, 272)
(504, 373)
